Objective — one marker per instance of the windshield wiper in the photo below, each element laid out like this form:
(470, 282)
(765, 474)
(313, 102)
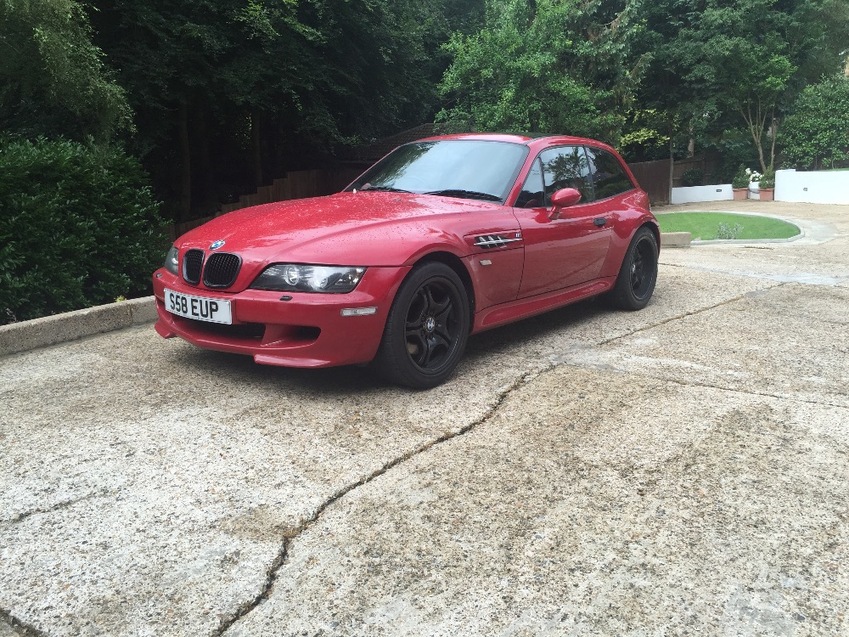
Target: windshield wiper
(383, 189)
(467, 194)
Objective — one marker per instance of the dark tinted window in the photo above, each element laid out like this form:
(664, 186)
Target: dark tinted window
(566, 167)
(608, 176)
(532, 192)
(459, 168)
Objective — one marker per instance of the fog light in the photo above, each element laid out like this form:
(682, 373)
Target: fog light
(359, 311)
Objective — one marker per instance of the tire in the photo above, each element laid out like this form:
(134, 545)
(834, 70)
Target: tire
(427, 328)
(638, 274)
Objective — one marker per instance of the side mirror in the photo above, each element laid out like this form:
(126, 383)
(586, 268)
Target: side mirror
(563, 198)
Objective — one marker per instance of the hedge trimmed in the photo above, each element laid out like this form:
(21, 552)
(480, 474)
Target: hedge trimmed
(78, 227)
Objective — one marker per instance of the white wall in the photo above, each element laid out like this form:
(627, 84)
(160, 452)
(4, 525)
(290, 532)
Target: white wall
(691, 194)
(818, 186)
(822, 186)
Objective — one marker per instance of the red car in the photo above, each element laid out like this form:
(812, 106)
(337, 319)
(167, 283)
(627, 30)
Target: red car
(442, 238)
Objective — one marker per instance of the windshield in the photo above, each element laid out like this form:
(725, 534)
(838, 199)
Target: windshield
(471, 169)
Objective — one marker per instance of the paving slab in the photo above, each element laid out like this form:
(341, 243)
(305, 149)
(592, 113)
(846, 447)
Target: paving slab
(588, 506)
(150, 485)
(679, 470)
(788, 341)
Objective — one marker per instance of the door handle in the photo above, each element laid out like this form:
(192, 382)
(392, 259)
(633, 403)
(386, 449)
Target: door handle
(599, 221)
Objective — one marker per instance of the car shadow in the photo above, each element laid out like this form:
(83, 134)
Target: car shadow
(363, 379)
(519, 334)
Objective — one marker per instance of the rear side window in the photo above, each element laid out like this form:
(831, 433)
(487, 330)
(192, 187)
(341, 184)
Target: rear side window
(607, 175)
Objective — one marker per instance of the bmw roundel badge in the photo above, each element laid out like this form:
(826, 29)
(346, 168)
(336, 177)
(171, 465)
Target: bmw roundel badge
(217, 244)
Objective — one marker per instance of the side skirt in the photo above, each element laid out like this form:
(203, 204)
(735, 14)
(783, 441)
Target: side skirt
(524, 308)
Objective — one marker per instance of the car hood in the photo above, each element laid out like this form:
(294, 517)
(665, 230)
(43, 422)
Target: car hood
(349, 228)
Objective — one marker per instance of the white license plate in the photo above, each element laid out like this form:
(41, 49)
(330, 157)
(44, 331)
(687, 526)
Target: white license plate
(199, 308)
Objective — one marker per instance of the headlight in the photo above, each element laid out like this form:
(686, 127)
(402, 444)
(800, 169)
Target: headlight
(288, 277)
(172, 260)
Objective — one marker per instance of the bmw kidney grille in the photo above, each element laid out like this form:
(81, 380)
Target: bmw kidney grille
(220, 270)
(192, 266)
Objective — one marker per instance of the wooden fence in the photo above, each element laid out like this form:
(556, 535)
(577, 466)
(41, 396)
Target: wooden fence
(294, 185)
(653, 176)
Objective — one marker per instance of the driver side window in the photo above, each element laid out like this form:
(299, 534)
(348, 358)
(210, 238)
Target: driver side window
(566, 167)
(532, 192)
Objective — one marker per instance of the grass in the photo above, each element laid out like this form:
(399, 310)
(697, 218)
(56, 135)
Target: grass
(721, 225)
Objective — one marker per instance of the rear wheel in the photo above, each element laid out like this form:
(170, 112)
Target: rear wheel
(427, 328)
(638, 274)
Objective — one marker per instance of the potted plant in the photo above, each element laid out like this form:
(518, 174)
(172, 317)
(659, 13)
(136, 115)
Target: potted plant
(767, 185)
(754, 179)
(740, 184)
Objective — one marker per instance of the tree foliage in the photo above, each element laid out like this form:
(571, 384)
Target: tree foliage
(816, 133)
(266, 85)
(715, 65)
(227, 94)
(52, 78)
(218, 96)
(549, 65)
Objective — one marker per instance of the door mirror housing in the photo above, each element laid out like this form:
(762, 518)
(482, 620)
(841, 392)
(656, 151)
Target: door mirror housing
(563, 198)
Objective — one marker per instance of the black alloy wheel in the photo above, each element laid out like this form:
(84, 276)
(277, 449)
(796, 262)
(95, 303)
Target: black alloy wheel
(427, 328)
(638, 274)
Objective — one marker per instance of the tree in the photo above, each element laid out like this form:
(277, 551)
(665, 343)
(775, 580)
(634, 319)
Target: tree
(714, 64)
(545, 65)
(52, 78)
(751, 64)
(816, 133)
(229, 93)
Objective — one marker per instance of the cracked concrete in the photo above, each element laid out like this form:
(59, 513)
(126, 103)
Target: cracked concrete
(679, 470)
(295, 533)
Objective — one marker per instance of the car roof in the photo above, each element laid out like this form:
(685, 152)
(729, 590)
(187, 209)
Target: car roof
(535, 141)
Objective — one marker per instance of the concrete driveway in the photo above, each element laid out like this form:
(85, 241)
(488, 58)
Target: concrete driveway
(676, 471)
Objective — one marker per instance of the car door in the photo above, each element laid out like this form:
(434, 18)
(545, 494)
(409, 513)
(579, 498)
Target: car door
(568, 249)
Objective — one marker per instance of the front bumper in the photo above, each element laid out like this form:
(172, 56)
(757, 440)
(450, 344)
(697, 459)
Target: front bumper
(291, 329)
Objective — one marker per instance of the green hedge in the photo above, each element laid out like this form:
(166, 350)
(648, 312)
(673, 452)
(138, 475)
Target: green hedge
(816, 134)
(78, 227)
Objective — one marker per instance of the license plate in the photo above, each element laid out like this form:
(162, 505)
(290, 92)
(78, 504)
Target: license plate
(199, 308)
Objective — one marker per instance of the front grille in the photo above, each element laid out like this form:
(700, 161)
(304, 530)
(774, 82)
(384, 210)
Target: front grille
(221, 270)
(192, 265)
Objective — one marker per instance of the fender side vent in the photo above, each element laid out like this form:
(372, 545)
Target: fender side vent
(496, 240)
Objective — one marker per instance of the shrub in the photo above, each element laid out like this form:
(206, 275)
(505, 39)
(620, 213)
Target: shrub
(79, 228)
(816, 134)
(728, 231)
(741, 178)
(693, 177)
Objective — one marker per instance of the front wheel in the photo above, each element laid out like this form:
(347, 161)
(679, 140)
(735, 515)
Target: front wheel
(427, 328)
(638, 274)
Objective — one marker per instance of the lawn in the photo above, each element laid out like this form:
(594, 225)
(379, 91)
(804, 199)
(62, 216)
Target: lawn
(721, 225)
